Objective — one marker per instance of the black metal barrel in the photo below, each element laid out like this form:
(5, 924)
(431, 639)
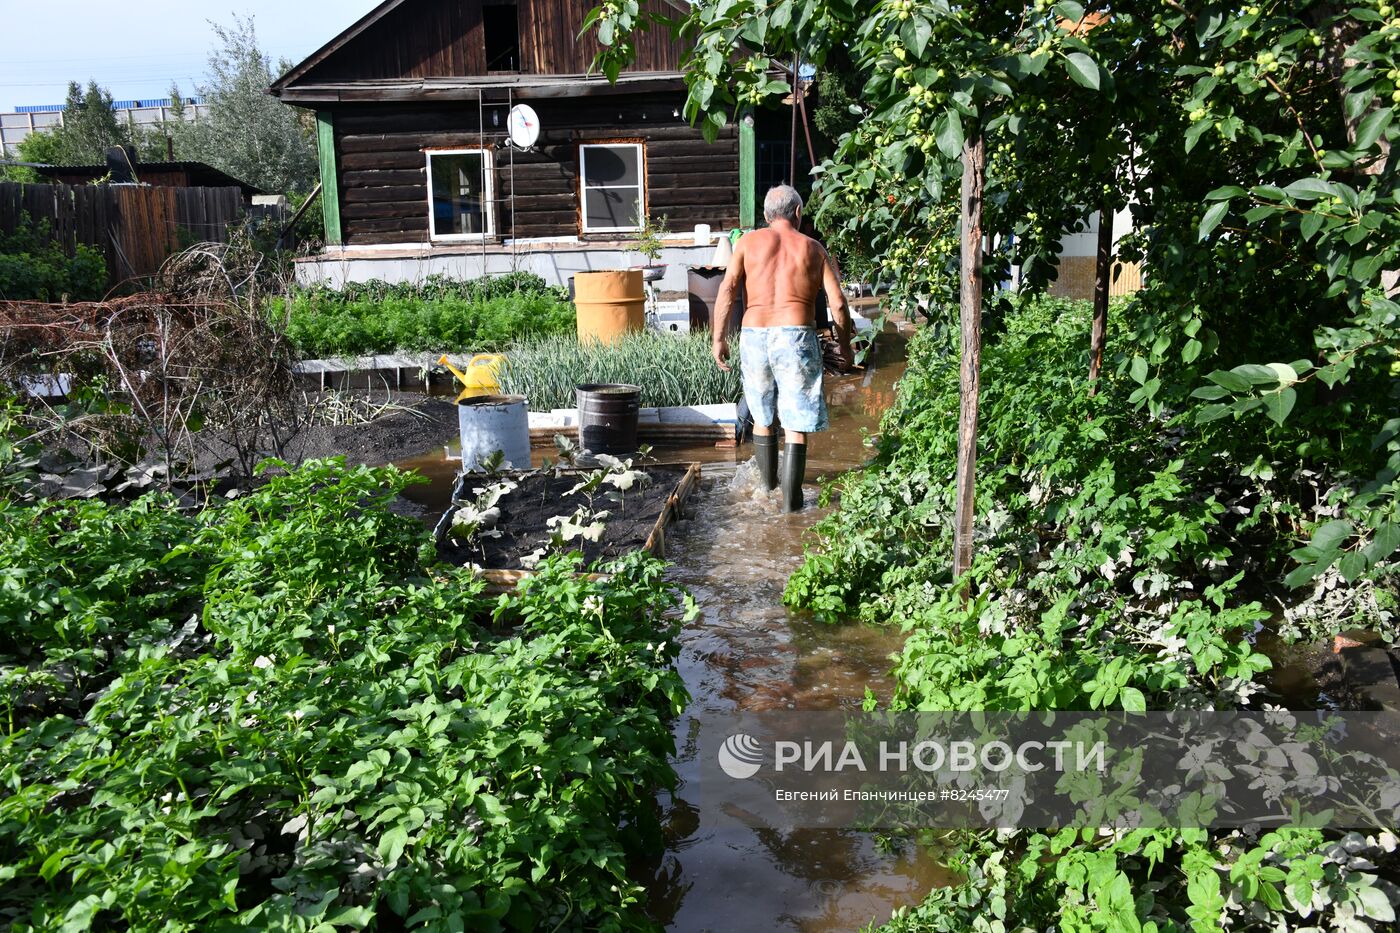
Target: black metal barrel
(703, 284)
(607, 417)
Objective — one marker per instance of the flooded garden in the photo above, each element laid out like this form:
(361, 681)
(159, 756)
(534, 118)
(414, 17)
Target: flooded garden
(462, 602)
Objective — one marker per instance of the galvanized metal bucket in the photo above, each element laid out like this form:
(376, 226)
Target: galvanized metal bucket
(489, 423)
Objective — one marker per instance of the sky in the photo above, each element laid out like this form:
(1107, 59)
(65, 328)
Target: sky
(136, 48)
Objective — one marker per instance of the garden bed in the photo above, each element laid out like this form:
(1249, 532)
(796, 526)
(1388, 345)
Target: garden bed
(678, 426)
(672, 370)
(440, 314)
(228, 707)
(519, 517)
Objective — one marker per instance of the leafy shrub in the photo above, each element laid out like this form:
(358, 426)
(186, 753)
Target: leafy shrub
(34, 267)
(1159, 880)
(282, 715)
(671, 370)
(1118, 553)
(438, 315)
(1089, 493)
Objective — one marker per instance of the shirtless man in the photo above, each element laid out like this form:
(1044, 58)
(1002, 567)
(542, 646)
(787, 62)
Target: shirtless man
(779, 353)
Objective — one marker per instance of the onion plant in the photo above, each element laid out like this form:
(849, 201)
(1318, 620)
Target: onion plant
(671, 369)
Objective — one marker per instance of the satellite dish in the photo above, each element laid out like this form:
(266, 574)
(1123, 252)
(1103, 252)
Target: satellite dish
(523, 125)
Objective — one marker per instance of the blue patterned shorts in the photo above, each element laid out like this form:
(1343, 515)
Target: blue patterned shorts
(783, 364)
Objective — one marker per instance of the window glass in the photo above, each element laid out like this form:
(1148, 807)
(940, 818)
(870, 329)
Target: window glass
(460, 193)
(611, 165)
(611, 208)
(613, 186)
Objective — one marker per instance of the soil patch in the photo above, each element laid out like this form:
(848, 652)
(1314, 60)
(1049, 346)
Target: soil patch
(419, 425)
(407, 425)
(525, 512)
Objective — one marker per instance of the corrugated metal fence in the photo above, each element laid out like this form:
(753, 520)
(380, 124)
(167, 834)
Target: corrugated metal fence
(135, 227)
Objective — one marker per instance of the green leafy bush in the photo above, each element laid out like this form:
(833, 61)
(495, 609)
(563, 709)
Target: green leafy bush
(437, 315)
(671, 370)
(34, 267)
(1120, 554)
(281, 714)
(1090, 493)
(1155, 881)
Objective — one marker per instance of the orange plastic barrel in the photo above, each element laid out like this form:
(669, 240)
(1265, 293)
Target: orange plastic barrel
(609, 304)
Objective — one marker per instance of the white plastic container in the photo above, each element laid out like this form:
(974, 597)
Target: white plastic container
(489, 423)
(702, 234)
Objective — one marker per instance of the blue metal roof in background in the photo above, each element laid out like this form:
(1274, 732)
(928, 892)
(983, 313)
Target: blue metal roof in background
(119, 105)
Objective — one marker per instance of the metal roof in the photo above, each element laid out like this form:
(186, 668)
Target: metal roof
(116, 105)
(201, 174)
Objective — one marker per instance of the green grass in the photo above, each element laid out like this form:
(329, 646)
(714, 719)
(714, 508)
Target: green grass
(671, 370)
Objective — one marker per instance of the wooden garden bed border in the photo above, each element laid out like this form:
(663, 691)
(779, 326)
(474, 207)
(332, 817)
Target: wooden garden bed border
(501, 581)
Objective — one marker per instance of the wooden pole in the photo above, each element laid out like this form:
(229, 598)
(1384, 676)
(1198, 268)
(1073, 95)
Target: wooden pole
(807, 128)
(310, 198)
(974, 158)
(792, 152)
(748, 178)
(1103, 278)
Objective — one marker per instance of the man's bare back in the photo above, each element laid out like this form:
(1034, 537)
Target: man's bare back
(782, 275)
(781, 271)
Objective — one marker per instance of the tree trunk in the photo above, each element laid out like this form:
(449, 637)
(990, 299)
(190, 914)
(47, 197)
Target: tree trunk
(1103, 278)
(970, 314)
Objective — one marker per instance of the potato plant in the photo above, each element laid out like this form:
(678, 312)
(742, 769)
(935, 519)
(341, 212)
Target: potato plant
(282, 714)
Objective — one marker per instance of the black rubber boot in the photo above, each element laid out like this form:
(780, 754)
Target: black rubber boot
(794, 469)
(765, 459)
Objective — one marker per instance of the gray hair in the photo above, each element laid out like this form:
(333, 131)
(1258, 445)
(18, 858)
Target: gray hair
(781, 203)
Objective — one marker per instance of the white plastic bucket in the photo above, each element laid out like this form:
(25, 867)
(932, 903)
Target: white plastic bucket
(702, 234)
(489, 423)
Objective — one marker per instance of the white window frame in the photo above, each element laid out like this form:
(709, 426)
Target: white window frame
(583, 187)
(488, 193)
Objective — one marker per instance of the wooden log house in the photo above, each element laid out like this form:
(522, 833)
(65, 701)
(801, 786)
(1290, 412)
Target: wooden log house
(411, 106)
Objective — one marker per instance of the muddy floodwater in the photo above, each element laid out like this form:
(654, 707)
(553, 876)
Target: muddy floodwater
(734, 551)
(722, 870)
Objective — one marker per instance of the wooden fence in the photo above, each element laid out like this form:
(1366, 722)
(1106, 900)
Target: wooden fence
(1079, 273)
(136, 227)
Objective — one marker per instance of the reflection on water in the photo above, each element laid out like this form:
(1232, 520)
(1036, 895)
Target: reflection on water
(1314, 675)
(723, 870)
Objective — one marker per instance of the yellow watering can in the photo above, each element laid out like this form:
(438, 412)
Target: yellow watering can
(481, 377)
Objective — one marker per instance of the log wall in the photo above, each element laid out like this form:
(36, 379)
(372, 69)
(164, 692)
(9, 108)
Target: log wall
(382, 167)
(437, 39)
